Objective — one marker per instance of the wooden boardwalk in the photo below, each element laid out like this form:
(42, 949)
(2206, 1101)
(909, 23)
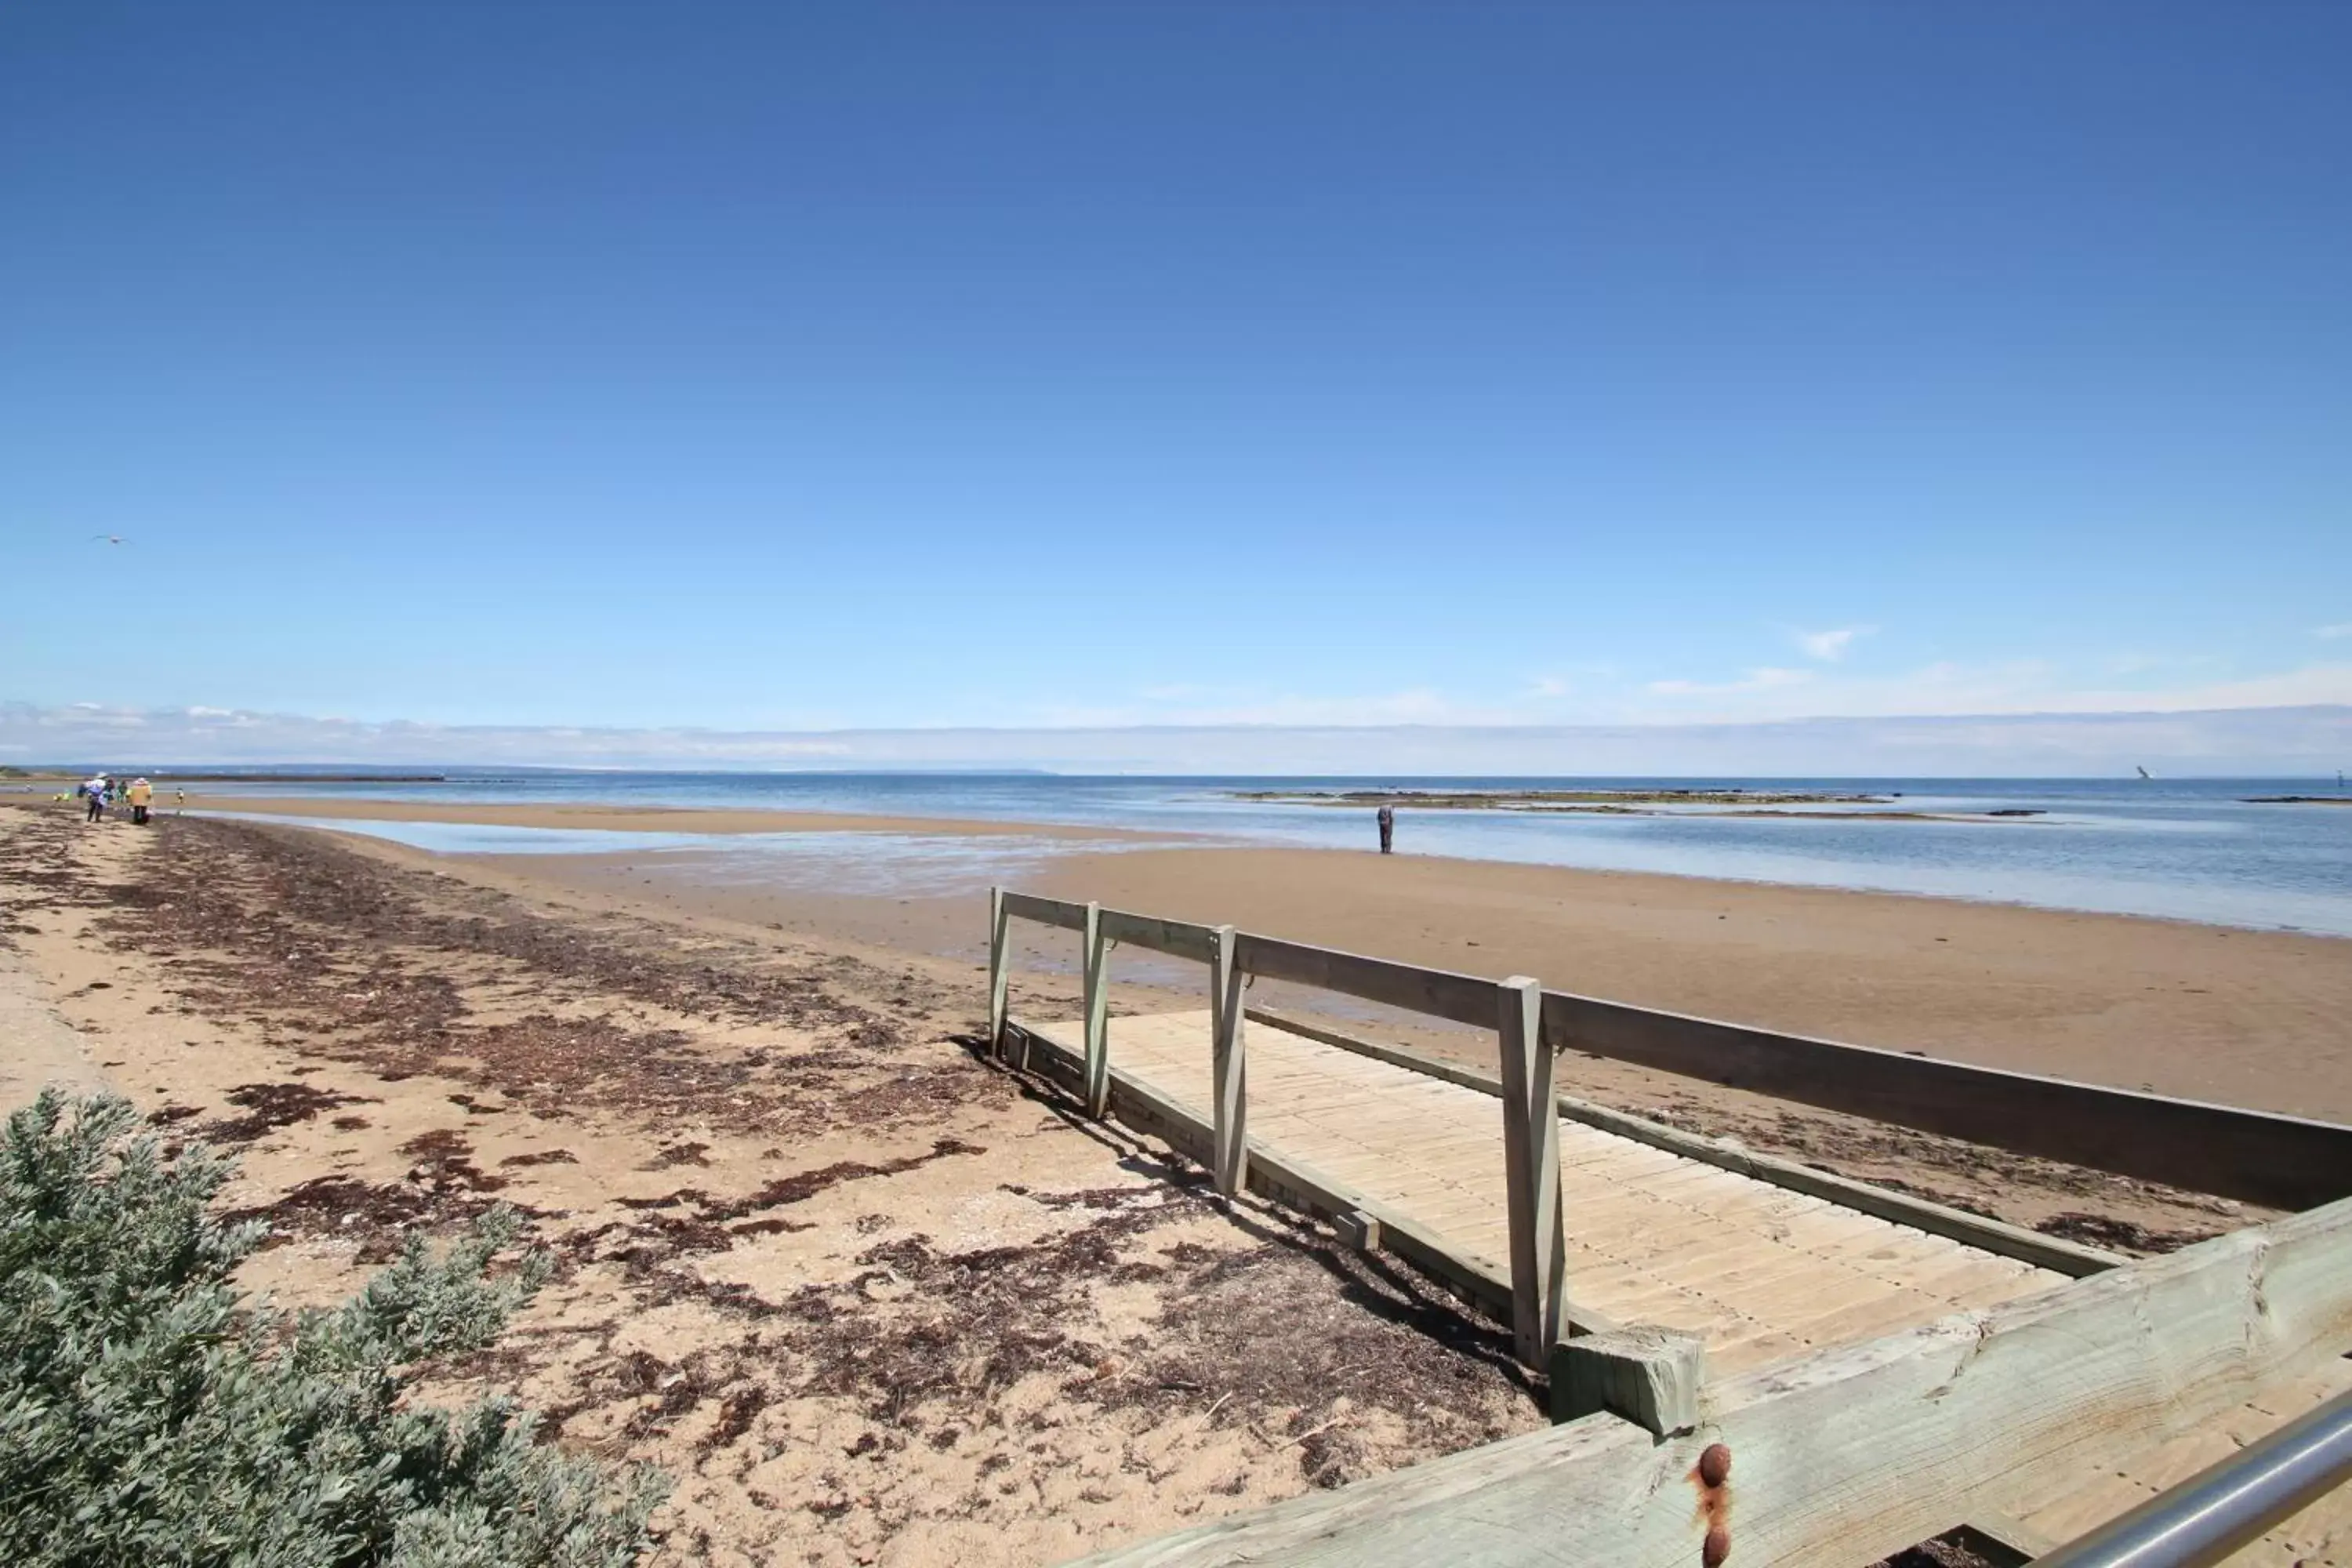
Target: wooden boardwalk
(1763, 1273)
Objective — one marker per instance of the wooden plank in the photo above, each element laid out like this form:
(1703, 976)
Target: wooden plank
(1858, 1451)
(1530, 1170)
(1045, 911)
(1096, 1009)
(1464, 998)
(1228, 1066)
(1175, 938)
(1283, 1179)
(998, 970)
(1143, 1107)
(2280, 1162)
(1977, 1230)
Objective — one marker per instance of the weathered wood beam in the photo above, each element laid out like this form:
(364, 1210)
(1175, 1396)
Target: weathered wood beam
(1530, 1171)
(2280, 1162)
(1175, 938)
(1464, 998)
(1857, 1451)
(1096, 1013)
(1228, 1066)
(1647, 1374)
(1045, 911)
(998, 970)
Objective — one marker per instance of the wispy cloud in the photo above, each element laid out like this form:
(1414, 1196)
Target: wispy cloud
(1768, 678)
(2340, 629)
(1830, 646)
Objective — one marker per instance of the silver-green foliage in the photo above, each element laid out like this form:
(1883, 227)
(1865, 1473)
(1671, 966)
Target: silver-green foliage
(150, 1414)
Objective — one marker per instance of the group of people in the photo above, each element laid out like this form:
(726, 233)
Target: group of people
(101, 792)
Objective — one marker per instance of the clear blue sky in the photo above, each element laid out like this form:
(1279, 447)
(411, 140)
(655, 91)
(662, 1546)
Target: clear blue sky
(758, 365)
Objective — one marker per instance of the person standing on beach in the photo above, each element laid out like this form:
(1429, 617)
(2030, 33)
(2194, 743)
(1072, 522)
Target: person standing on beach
(141, 795)
(96, 790)
(1388, 828)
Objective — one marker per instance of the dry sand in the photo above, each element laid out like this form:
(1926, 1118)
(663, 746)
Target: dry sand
(865, 1297)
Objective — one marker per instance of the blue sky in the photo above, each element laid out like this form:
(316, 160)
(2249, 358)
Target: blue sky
(792, 367)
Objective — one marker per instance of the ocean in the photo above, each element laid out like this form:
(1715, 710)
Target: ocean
(2183, 849)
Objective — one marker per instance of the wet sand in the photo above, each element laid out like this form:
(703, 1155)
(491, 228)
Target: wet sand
(2217, 1013)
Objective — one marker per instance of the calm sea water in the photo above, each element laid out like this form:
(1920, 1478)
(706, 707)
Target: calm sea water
(2192, 849)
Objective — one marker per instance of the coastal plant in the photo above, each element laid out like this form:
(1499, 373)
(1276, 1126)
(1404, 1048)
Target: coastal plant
(151, 1413)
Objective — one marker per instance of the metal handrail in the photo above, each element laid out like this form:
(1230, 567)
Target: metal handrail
(2226, 1504)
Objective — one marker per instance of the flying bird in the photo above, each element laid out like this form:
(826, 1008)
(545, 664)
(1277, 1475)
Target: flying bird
(110, 537)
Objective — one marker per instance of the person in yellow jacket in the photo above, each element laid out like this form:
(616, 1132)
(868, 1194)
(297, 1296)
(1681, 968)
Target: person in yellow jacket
(142, 795)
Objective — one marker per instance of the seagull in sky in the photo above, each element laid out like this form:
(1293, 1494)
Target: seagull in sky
(110, 537)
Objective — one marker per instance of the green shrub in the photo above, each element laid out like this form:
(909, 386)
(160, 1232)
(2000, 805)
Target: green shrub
(150, 1414)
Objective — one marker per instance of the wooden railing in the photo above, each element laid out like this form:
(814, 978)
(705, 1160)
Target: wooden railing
(2280, 1162)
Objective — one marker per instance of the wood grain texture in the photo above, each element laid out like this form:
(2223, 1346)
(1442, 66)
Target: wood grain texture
(1859, 1451)
(2055, 1252)
(1643, 1373)
(1464, 998)
(1761, 1273)
(1096, 1003)
(2280, 1162)
(1175, 938)
(1228, 1066)
(1045, 911)
(998, 970)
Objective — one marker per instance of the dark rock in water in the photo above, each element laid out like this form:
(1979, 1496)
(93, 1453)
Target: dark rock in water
(2016, 811)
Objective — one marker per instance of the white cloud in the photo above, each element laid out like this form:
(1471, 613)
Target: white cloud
(2340, 629)
(1830, 646)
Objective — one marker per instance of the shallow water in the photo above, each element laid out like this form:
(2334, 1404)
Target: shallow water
(907, 865)
(2192, 849)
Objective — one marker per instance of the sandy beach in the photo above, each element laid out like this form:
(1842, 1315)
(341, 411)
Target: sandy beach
(864, 1298)
(871, 1300)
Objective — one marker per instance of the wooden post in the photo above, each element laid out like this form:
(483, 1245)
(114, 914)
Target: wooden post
(1228, 1076)
(1097, 1015)
(1531, 1172)
(999, 966)
(1646, 1375)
